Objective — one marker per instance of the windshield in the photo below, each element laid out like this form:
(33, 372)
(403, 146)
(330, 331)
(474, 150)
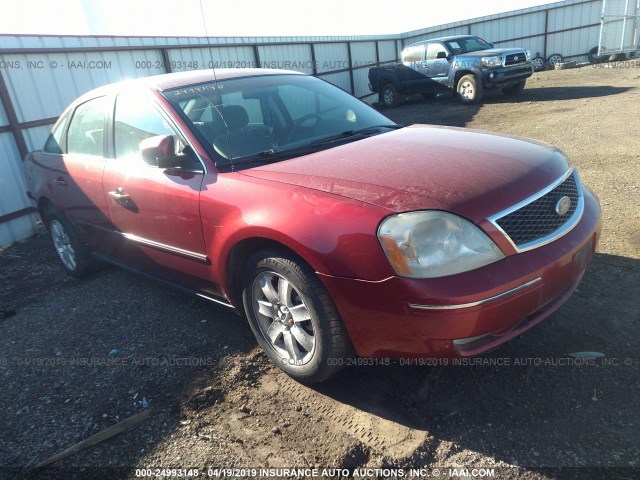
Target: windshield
(467, 44)
(267, 116)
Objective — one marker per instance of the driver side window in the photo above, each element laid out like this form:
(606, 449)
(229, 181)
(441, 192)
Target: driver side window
(433, 49)
(135, 120)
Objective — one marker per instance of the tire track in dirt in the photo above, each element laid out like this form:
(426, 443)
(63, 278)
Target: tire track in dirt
(368, 423)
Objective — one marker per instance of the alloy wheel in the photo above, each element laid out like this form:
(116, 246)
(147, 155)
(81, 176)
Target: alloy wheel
(63, 246)
(283, 318)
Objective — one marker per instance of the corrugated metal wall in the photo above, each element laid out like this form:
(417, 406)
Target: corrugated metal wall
(41, 75)
(570, 28)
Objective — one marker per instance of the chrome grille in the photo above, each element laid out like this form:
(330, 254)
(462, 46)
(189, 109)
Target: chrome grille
(538, 220)
(515, 59)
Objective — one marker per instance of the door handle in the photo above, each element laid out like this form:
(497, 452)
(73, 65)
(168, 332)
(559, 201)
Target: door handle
(425, 65)
(61, 181)
(118, 195)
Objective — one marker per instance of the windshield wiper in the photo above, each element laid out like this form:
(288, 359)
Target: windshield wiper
(273, 154)
(353, 133)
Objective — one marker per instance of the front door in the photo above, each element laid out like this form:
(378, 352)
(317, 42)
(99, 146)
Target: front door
(155, 212)
(437, 64)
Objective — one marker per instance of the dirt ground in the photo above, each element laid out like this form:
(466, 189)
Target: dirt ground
(79, 356)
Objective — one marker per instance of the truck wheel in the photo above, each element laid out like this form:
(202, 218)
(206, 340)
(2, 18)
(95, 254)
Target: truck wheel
(389, 95)
(514, 89)
(469, 89)
(553, 59)
(293, 317)
(538, 64)
(74, 255)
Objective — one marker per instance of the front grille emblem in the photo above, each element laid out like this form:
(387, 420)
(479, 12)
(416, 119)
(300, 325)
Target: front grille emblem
(563, 205)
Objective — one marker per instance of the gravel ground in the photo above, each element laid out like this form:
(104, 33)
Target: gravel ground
(79, 356)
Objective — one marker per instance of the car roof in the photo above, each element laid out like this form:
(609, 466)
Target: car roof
(441, 39)
(169, 81)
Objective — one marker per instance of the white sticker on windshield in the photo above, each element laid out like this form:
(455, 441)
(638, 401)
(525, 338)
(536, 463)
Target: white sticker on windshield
(454, 44)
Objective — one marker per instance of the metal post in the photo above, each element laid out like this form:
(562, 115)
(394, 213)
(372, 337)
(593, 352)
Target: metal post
(256, 55)
(546, 34)
(353, 88)
(165, 60)
(14, 124)
(624, 24)
(313, 59)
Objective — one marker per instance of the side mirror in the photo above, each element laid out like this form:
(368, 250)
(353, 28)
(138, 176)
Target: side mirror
(442, 55)
(160, 151)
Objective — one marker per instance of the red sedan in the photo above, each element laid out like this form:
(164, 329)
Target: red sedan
(334, 230)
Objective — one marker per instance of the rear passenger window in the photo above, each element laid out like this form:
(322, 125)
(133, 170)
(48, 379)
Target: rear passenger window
(53, 144)
(413, 54)
(86, 130)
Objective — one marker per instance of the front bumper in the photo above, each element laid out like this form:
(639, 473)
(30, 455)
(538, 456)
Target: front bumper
(469, 313)
(503, 76)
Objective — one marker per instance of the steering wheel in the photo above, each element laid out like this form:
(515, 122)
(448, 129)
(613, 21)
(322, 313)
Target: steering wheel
(298, 123)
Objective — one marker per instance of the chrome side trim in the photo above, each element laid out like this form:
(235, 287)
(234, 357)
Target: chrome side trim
(563, 230)
(164, 247)
(211, 299)
(479, 302)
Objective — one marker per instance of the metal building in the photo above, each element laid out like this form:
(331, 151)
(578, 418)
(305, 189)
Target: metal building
(41, 75)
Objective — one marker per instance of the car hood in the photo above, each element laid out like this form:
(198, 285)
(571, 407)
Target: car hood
(469, 172)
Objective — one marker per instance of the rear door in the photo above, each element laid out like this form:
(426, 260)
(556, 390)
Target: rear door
(77, 184)
(415, 77)
(155, 212)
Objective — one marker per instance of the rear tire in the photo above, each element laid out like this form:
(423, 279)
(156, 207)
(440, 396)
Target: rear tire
(389, 95)
(293, 317)
(75, 256)
(469, 89)
(514, 89)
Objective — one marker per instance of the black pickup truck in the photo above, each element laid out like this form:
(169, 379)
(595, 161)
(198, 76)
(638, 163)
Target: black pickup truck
(465, 64)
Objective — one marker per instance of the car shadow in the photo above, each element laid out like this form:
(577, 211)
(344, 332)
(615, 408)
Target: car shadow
(447, 110)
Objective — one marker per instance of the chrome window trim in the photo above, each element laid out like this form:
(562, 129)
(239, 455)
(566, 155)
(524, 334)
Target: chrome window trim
(479, 302)
(560, 232)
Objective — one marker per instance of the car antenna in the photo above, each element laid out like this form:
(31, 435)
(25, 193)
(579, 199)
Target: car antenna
(215, 81)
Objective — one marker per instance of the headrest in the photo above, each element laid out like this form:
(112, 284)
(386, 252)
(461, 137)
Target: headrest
(235, 116)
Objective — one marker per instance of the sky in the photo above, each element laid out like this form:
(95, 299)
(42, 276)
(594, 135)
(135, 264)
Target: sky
(233, 18)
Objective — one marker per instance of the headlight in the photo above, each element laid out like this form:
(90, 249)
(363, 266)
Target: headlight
(492, 61)
(431, 244)
(528, 54)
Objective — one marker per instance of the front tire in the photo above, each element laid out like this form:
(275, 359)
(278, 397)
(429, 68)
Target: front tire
(74, 255)
(469, 89)
(293, 317)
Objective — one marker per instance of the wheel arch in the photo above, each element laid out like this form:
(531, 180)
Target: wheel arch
(45, 206)
(241, 251)
(461, 73)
